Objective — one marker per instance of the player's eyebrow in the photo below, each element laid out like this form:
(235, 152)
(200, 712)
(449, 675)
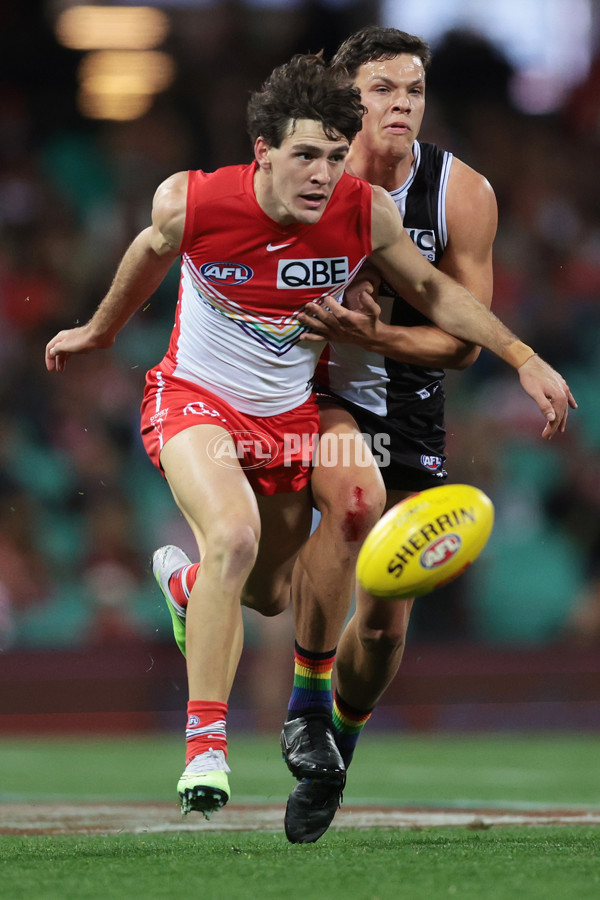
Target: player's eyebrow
(390, 82)
(304, 147)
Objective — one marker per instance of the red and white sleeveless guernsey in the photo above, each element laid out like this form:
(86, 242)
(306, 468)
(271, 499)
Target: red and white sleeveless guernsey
(244, 278)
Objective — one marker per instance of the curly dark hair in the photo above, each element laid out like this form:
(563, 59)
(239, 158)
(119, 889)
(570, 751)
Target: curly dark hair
(305, 88)
(374, 42)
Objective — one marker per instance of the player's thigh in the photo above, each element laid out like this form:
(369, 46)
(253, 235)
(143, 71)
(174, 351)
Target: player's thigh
(346, 480)
(214, 497)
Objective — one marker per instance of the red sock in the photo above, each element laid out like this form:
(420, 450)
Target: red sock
(206, 727)
(181, 583)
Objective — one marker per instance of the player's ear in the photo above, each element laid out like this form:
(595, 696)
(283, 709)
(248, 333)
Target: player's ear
(262, 151)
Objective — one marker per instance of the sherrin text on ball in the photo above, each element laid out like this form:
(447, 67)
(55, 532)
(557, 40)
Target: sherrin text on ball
(425, 542)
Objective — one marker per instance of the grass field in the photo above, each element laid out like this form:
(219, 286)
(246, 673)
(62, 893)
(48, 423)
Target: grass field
(490, 862)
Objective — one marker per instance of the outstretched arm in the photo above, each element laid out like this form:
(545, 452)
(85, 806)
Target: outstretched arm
(143, 267)
(453, 308)
(472, 219)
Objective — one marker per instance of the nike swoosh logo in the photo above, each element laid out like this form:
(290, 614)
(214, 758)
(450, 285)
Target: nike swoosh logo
(271, 247)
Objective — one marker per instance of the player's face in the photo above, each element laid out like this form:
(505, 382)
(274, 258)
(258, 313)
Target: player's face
(393, 91)
(303, 172)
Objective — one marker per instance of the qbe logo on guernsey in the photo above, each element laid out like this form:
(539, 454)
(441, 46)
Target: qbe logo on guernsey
(312, 273)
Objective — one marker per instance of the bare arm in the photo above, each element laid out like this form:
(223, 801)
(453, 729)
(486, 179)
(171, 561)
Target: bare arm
(448, 304)
(356, 323)
(143, 267)
(451, 307)
(472, 221)
(472, 217)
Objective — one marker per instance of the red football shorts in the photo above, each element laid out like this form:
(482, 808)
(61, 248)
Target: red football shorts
(275, 452)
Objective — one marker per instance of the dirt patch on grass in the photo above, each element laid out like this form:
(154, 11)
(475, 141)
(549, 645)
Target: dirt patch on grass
(46, 819)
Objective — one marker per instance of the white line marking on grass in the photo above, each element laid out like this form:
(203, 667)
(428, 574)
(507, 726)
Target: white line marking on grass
(147, 818)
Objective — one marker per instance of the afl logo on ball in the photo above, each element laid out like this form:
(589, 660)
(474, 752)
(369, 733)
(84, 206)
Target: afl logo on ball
(440, 551)
(226, 272)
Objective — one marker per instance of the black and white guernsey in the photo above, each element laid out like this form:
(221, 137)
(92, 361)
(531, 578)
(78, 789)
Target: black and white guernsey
(386, 396)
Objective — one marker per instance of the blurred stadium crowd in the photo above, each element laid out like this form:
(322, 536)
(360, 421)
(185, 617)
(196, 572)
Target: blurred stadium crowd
(81, 507)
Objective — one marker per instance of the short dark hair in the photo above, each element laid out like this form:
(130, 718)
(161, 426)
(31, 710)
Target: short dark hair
(374, 42)
(305, 88)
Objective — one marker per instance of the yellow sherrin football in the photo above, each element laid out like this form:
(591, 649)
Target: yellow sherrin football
(425, 541)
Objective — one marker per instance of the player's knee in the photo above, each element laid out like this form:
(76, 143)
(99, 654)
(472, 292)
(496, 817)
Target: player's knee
(355, 511)
(232, 547)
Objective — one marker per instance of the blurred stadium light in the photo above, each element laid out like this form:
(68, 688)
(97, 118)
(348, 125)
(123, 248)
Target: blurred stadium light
(122, 87)
(84, 27)
(122, 73)
(120, 84)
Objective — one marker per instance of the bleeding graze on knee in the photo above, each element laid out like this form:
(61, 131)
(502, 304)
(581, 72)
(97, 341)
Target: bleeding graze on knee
(357, 511)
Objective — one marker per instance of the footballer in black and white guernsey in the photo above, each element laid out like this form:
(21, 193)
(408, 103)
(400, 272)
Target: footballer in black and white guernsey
(384, 381)
(391, 397)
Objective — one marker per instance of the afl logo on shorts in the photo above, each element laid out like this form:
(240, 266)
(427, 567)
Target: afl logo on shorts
(250, 449)
(432, 463)
(226, 272)
(441, 551)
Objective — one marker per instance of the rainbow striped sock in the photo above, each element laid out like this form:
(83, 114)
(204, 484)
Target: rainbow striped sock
(348, 724)
(311, 691)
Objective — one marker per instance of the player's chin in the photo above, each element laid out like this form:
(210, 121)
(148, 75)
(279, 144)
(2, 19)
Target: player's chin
(399, 143)
(310, 210)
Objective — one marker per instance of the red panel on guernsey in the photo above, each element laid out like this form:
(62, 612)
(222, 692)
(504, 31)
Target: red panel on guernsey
(224, 223)
(244, 278)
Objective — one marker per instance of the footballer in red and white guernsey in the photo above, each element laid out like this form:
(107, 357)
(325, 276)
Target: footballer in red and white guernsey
(257, 243)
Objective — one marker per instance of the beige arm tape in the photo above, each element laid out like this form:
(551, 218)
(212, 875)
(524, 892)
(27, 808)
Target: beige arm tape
(517, 353)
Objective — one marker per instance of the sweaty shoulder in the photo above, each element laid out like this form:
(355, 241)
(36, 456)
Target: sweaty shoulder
(470, 198)
(168, 212)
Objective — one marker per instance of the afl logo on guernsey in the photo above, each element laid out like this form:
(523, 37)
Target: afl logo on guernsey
(226, 272)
